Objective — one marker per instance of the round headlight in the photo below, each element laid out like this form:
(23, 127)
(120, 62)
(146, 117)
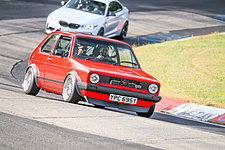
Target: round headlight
(94, 78)
(153, 88)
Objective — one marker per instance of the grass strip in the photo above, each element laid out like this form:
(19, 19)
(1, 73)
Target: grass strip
(191, 70)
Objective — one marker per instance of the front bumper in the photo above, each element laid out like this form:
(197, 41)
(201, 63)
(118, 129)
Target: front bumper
(54, 26)
(109, 90)
(118, 105)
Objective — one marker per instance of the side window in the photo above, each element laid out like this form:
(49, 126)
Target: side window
(63, 45)
(48, 45)
(127, 58)
(114, 7)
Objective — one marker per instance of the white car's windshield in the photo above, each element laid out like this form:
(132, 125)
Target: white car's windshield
(104, 51)
(91, 6)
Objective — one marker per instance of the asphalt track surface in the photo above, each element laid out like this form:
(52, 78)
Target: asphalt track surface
(204, 7)
(22, 133)
(29, 132)
(158, 28)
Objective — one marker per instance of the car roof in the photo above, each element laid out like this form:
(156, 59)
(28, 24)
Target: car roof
(91, 36)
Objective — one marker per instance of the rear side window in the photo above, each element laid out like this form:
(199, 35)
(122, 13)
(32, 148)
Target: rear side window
(114, 7)
(48, 45)
(63, 44)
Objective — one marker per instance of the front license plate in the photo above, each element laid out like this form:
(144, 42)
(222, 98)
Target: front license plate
(124, 99)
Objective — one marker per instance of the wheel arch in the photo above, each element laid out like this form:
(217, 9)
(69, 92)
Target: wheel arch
(102, 27)
(34, 68)
(127, 21)
(76, 78)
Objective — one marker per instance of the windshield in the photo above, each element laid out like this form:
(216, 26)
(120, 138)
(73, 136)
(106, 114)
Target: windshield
(90, 6)
(104, 51)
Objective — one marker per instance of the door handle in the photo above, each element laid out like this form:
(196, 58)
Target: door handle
(49, 59)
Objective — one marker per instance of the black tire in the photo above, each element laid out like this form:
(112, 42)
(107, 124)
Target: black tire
(123, 33)
(101, 32)
(147, 114)
(70, 93)
(99, 106)
(29, 84)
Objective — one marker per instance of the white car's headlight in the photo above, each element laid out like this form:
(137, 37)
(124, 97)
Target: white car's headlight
(89, 26)
(153, 88)
(94, 78)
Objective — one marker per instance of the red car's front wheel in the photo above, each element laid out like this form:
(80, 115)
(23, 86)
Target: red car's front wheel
(69, 90)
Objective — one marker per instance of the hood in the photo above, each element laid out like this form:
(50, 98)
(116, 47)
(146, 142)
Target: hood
(76, 16)
(115, 71)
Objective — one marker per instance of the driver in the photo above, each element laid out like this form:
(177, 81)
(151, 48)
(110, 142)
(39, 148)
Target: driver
(82, 49)
(103, 53)
(82, 4)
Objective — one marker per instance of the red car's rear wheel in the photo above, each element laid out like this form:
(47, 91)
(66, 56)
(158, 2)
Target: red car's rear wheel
(29, 85)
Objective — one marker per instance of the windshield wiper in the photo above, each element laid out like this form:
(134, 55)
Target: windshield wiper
(125, 62)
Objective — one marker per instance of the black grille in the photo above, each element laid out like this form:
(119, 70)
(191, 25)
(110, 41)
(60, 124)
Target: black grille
(74, 26)
(71, 25)
(124, 82)
(63, 23)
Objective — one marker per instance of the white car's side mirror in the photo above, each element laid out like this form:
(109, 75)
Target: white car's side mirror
(63, 3)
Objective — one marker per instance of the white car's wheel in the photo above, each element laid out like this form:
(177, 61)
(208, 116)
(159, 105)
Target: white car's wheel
(123, 33)
(101, 32)
(29, 85)
(69, 90)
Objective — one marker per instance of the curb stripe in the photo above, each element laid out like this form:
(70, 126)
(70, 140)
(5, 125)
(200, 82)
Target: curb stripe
(191, 110)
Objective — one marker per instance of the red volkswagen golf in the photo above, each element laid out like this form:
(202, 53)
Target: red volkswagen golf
(101, 71)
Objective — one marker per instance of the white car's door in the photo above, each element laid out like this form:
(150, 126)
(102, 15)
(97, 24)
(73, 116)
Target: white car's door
(114, 19)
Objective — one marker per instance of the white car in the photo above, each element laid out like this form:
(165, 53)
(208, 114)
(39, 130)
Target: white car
(107, 18)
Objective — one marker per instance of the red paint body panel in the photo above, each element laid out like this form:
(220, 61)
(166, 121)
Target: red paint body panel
(52, 71)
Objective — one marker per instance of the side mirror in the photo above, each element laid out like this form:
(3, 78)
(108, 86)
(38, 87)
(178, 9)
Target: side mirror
(110, 13)
(63, 3)
(60, 52)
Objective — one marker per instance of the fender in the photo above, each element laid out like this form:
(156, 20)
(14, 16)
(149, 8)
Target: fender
(34, 67)
(76, 78)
